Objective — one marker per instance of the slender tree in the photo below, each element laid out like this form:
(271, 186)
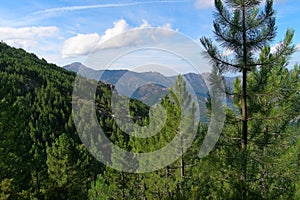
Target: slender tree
(243, 28)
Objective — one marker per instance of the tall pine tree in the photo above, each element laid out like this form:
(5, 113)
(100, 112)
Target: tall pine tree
(244, 28)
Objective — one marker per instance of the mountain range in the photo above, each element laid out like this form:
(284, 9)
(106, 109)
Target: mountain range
(148, 87)
(145, 86)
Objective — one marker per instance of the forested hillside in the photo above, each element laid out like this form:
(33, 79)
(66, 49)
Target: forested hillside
(41, 155)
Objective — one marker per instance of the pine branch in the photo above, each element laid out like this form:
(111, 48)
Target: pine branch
(211, 50)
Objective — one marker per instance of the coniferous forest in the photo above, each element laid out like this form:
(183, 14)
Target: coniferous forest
(256, 157)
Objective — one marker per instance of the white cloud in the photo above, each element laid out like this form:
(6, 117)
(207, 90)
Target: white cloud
(203, 4)
(275, 48)
(297, 47)
(120, 26)
(82, 44)
(26, 37)
(85, 7)
(97, 6)
(227, 52)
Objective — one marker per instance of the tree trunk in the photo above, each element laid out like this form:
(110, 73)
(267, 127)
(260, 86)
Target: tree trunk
(244, 106)
(123, 185)
(265, 154)
(166, 182)
(182, 166)
(244, 126)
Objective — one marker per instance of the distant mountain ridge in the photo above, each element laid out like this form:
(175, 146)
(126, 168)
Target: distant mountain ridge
(148, 87)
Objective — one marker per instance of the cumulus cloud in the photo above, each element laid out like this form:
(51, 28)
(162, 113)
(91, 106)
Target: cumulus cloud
(26, 37)
(120, 26)
(203, 4)
(297, 47)
(82, 44)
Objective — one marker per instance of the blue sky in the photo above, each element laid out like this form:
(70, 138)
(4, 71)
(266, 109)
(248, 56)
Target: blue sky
(64, 31)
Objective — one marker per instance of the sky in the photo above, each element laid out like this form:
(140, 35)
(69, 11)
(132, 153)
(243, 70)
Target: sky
(124, 34)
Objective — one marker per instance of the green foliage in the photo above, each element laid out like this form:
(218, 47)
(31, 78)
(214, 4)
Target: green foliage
(65, 165)
(35, 109)
(6, 189)
(99, 189)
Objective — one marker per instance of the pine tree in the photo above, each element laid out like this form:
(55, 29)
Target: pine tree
(180, 124)
(273, 94)
(242, 27)
(66, 169)
(99, 189)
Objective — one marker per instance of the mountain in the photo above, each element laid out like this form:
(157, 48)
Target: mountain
(148, 87)
(150, 93)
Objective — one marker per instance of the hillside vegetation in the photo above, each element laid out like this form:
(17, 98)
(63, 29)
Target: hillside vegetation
(42, 156)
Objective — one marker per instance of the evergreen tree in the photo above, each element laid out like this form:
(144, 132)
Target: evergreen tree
(65, 169)
(273, 94)
(243, 28)
(99, 189)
